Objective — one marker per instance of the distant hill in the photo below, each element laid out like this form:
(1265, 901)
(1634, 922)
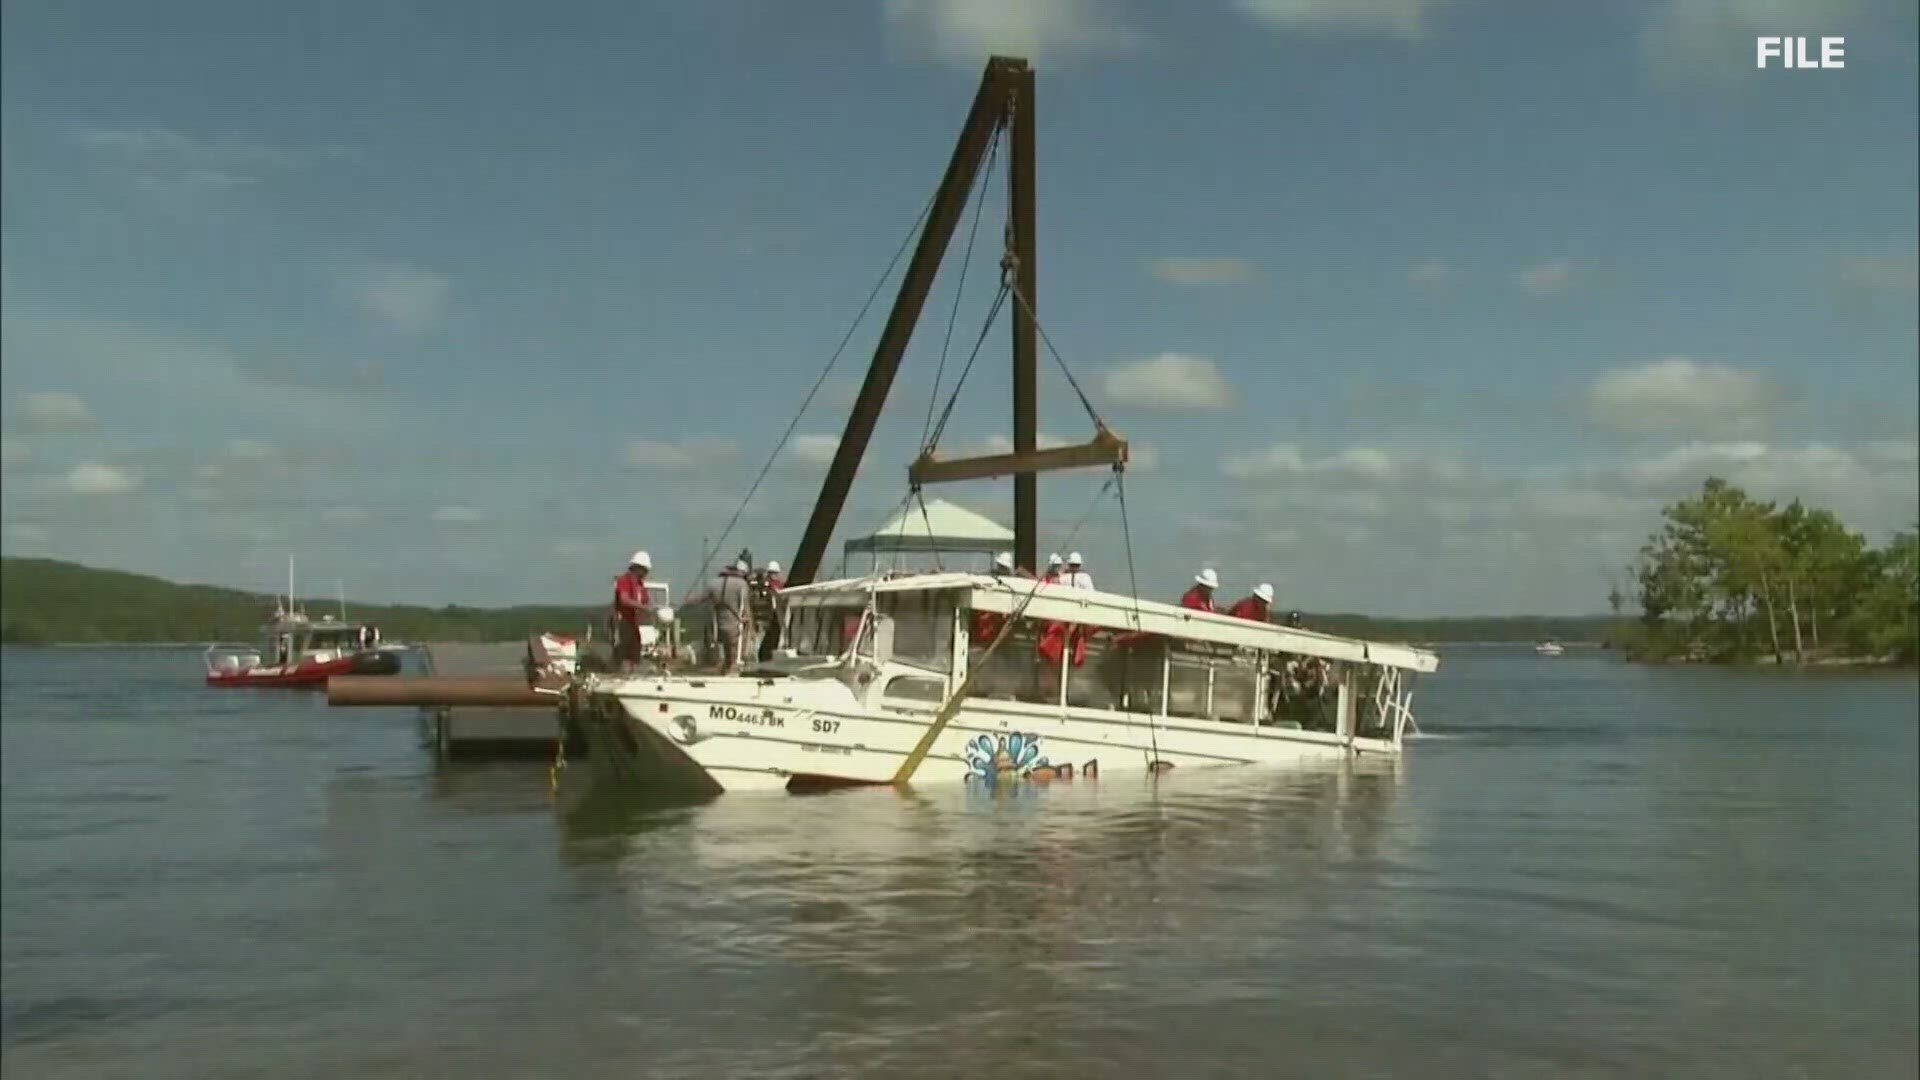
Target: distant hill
(46, 601)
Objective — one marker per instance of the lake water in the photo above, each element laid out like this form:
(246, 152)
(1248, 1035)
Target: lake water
(1589, 869)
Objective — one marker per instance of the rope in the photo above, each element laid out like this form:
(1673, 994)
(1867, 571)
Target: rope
(1085, 403)
(927, 519)
(987, 327)
(1133, 582)
(707, 558)
(966, 260)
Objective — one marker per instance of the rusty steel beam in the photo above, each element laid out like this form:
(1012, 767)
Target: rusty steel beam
(480, 691)
(989, 108)
(1026, 344)
(1106, 449)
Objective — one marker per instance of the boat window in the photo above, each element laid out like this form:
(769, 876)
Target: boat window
(334, 639)
(920, 689)
(1122, 672)
(822, 630)
(1304, 692)
(1205, 683)
(1014, 671)
(1236, 686)
(922, 627)
(1097, 681)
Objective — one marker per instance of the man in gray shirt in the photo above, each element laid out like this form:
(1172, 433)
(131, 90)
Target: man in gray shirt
(733, 612)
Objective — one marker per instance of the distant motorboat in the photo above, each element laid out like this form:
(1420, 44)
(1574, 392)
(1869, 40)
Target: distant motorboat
(297, 651)
(1549, 647)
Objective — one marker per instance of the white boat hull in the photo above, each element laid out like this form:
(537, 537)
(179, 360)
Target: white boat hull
(734, 734)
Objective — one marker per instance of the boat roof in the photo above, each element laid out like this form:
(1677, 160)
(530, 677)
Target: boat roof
(1064, 603)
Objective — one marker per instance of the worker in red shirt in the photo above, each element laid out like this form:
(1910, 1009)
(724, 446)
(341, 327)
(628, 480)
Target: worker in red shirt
(1200, 596)
(1256, 607)
(630, 606)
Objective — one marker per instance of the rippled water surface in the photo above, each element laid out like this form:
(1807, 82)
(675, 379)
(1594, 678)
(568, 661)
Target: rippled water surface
(1587, 869)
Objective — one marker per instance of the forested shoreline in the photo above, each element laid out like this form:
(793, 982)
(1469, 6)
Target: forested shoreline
(1728, 578)
(49, 602)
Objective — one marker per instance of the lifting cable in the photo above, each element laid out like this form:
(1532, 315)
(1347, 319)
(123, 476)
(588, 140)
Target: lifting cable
(1057, 358)
(1133, 583)
(946, 414)
(706, 558)
(959, 291)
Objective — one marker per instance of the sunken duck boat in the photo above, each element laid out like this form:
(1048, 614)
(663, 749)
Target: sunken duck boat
(949, 676)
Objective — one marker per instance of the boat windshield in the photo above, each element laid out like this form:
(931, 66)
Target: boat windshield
(823, 630)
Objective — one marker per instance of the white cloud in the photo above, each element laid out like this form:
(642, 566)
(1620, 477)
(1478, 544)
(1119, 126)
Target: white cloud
(1873, 487)
(1282, 459)
(407, 297)
(1682, 395)
(162, 160)
(811, 451)
(342, 517)
(1400, 18)
(458, 515)
(1170, 381)
(91, 478)
(1545, 279)
(1882, 273)
(1432, 274)
(1203, 272)
(968, 31)
(1353, 465)
(1491, 538)
(14, 453)
(655, 454)
(54, 410)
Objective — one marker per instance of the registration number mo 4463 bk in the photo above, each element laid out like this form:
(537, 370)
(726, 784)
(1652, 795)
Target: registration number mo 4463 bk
(766, 718)
(759, 717)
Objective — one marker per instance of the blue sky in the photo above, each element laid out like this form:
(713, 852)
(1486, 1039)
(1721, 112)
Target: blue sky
(1411, 306)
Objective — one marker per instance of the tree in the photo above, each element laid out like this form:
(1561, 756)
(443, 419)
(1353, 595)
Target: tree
(1720, 558)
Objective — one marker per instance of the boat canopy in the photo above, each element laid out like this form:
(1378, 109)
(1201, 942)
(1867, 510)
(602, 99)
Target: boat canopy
(1090, 607)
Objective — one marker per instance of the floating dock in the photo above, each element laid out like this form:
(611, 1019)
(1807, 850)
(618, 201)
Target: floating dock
(475, 701)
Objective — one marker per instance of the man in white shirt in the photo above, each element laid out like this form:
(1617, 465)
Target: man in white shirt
(1074, 577)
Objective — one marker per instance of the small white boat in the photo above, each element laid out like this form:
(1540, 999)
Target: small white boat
(1549, 647)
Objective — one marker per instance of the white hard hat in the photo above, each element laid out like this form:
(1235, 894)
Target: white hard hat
(1053, 559)
(1208, 578)
(1073, 559)
(741, 565)
(1264, 591)
(773, 566)
(641, 559)
(1005, 559)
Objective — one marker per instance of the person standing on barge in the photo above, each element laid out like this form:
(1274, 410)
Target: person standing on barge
(1258, 607)
(1200, 596)
(630, 610)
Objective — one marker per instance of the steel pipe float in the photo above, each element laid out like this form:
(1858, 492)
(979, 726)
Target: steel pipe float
(478, 691)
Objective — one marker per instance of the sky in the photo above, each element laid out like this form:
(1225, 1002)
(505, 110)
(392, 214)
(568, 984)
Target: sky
(1407, 307)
